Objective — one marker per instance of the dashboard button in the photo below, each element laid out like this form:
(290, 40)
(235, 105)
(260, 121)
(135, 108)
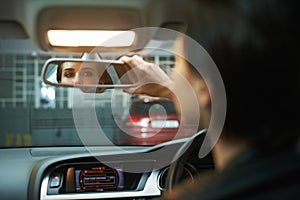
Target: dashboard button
(55, 181)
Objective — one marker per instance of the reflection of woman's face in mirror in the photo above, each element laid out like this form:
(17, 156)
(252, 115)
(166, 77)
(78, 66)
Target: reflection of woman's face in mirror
(77, 73)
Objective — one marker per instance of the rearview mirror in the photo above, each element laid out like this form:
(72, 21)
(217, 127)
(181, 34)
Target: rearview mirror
(88, 75)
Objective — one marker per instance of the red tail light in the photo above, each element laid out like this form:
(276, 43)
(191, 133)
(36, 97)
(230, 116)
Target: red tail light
(134, 119)
(143, 122)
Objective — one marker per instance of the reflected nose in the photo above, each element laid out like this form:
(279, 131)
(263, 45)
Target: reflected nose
(77, 79)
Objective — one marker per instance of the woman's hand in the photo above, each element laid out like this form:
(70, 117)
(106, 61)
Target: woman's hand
(151, 79)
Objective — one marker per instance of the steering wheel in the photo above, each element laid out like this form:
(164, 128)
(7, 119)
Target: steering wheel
(176, 169)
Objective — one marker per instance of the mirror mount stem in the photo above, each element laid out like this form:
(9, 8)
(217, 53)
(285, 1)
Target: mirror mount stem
(91, 56)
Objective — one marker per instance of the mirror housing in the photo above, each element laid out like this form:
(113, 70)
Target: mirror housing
(89, 75)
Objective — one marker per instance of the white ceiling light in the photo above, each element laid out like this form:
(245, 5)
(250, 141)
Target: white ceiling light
(90, 38)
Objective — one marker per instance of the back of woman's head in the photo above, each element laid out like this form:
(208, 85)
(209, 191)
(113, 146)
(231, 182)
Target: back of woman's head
(254, 43)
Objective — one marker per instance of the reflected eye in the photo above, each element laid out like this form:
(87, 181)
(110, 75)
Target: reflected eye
(86, 73)
(69, 74)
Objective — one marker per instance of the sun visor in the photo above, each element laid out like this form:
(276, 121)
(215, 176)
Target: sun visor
(12, 30)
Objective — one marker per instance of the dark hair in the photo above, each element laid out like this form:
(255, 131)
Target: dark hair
(254, 44)
(59, 73)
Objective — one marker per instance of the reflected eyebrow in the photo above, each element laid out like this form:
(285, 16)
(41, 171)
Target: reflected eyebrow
(68, 69)
(87, 67)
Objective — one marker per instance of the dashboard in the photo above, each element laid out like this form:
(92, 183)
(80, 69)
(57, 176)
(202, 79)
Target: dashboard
(86, 178)
(73, 173)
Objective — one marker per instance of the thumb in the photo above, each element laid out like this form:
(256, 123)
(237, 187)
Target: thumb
(129, 90)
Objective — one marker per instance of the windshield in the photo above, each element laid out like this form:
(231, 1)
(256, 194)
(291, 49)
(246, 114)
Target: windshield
(36, 114)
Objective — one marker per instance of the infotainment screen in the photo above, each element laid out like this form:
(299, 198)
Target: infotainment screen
(98, 178)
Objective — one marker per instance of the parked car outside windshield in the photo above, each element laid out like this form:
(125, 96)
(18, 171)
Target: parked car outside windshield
(149, 121)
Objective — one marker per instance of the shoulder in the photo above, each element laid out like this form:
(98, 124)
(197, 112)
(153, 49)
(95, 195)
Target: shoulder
(265, 177)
